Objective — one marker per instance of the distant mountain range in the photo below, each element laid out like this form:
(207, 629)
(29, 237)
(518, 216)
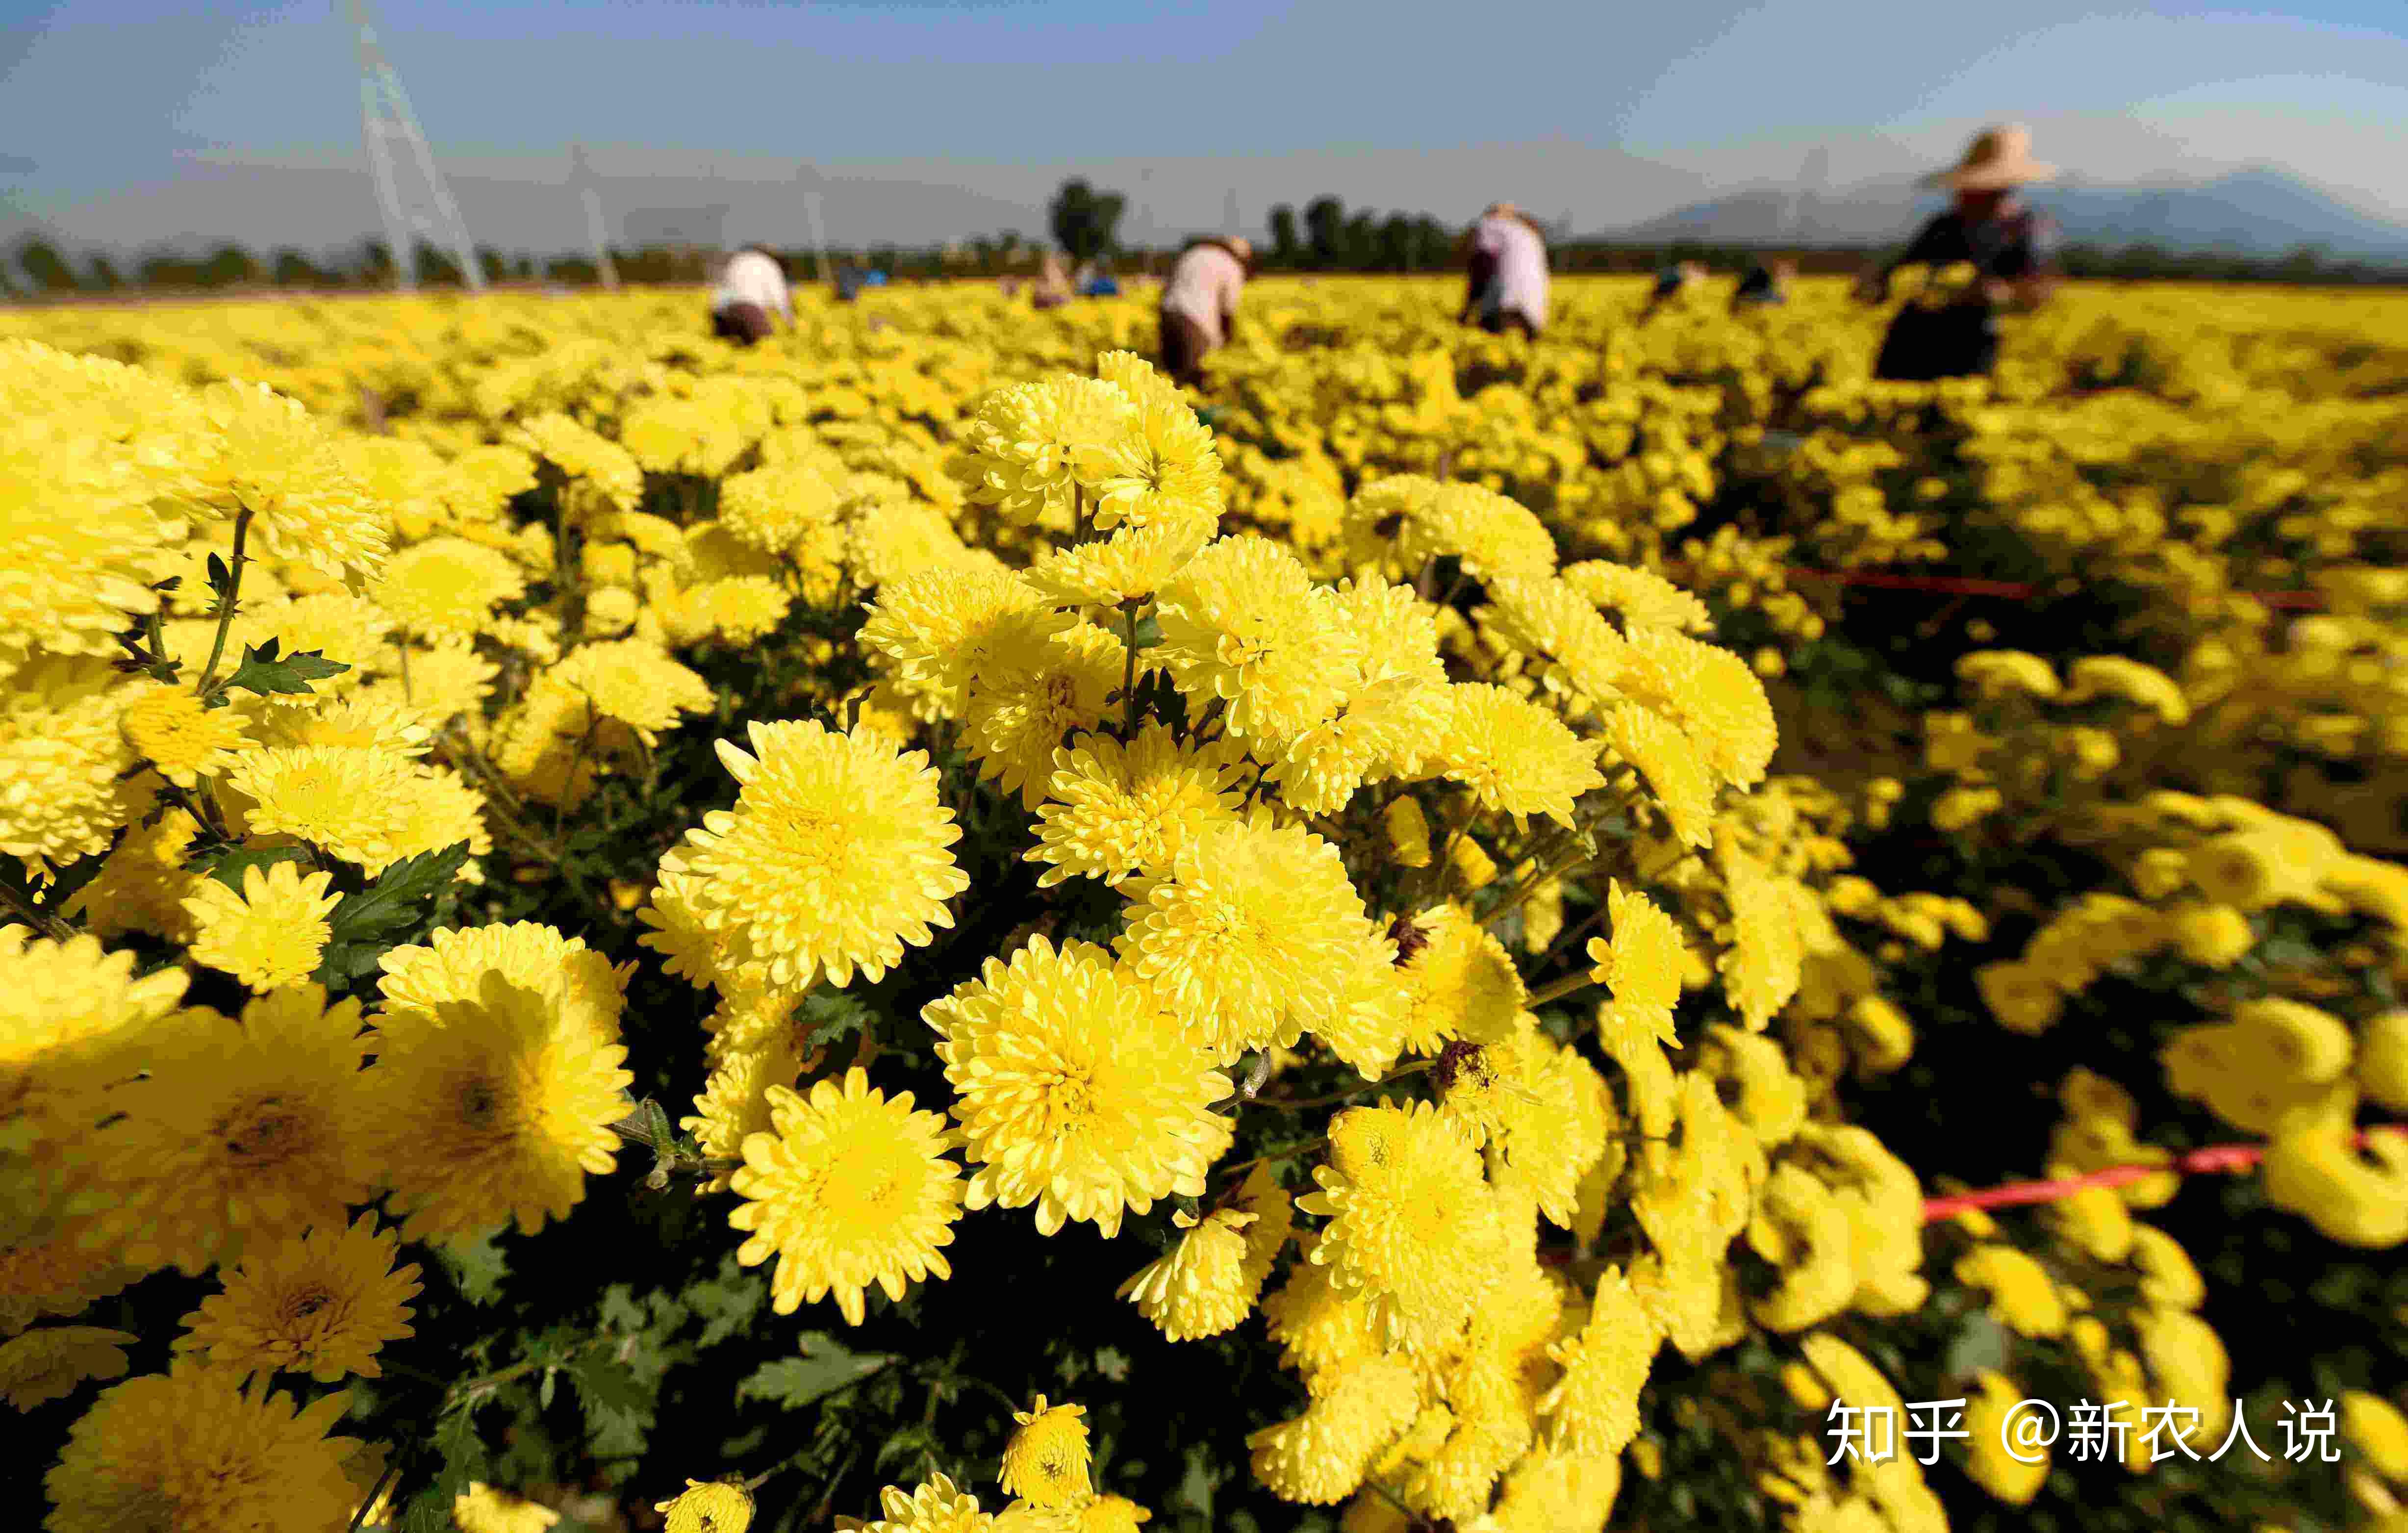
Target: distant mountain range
(2256, 212)
(320, 208)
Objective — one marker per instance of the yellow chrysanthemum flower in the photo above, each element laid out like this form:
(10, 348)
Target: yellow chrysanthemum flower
(185, 742)
(238, 1131)
(281, 468)
(494, 1113)
(849, 1188)
(322, 1304)
(453, 962)
(1640, 964)
(1320, 1457)
(1459, 980)
(1037, 683)
(1675, 772)
(343, 801)
(1074, 1090)
(1593, 1408)
(1045, 1463)
(1112, 811)
(1023, 451)
(188, 1449)
(1412, 1223)
(51, 1364)
(482, 1509)
(930, 626)
(708, 1507)
(447, 587)
(833, 858)
(1244, 624)
(1319, 1327)
(1249, 935)
(935, 1507)
(1199, 1289)
(272, 934)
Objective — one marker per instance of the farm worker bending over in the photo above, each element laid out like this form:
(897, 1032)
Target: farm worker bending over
(1766, 283)
(1053, 289)
(2012, 248)
(1199, 304)
(1509, 273)
(1671, 283)
(752, 289)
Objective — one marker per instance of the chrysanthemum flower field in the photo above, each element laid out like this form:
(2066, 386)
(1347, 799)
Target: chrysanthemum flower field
(912, 929)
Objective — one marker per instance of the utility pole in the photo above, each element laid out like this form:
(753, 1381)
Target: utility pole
(808, 179)
(582, 173)
(384, 117)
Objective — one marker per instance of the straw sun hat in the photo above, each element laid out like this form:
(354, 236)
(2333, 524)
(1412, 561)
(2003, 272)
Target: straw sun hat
(1996, 159)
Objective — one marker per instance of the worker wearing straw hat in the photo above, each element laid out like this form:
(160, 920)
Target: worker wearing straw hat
(1507, 273)
(1199, 304)
(2012, 248)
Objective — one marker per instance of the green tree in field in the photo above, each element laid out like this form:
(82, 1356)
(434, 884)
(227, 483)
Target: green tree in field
(1286, 247)
(1083, 219)
(45, 267)
(1325, 232)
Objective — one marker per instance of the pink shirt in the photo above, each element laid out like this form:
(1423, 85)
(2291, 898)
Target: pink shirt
(1521, 259)
(1204, 287)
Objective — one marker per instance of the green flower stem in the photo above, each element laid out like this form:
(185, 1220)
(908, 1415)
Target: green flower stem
(51, 925)
(1578, 978)
(1129, 672)
(1299, 1104)
(1538, 876)
(209, 684)
(1286, 1152)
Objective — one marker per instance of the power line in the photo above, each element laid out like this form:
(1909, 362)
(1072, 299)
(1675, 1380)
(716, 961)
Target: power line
(384, 117)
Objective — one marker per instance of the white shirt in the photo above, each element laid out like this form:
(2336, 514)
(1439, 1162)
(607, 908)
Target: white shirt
(752, 278)
(1204, 287)
(1521, 265)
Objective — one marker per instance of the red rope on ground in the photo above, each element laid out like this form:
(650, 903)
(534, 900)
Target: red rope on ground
(2227, 1158)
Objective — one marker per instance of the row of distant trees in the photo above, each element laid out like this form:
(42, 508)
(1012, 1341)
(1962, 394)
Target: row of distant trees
(1325, 235)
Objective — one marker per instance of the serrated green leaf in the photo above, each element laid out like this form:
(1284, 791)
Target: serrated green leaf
(367, 923)
(227, 866)
(793, 1382)
(476, 1266)
(829, 1015)
(263, 672)
(606, 1386)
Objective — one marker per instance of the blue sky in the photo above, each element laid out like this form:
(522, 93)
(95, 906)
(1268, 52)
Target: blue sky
(98, 96)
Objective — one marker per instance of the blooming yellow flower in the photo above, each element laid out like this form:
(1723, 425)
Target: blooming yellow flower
(1412, 1225)
(1075, 1091)
(849, 1188)
(46, 1365)
(322, 1304)
(192, 1449)
(1639, 965)
(482, 1509)
(497, 1112)
(239, 1131)
(1045, 1463)
(270, 935)
(1249, 935)
(708, 1507)
(935, 1507)
(833, 858)
(1516, 757)
(1244, 624)
(168, 727)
